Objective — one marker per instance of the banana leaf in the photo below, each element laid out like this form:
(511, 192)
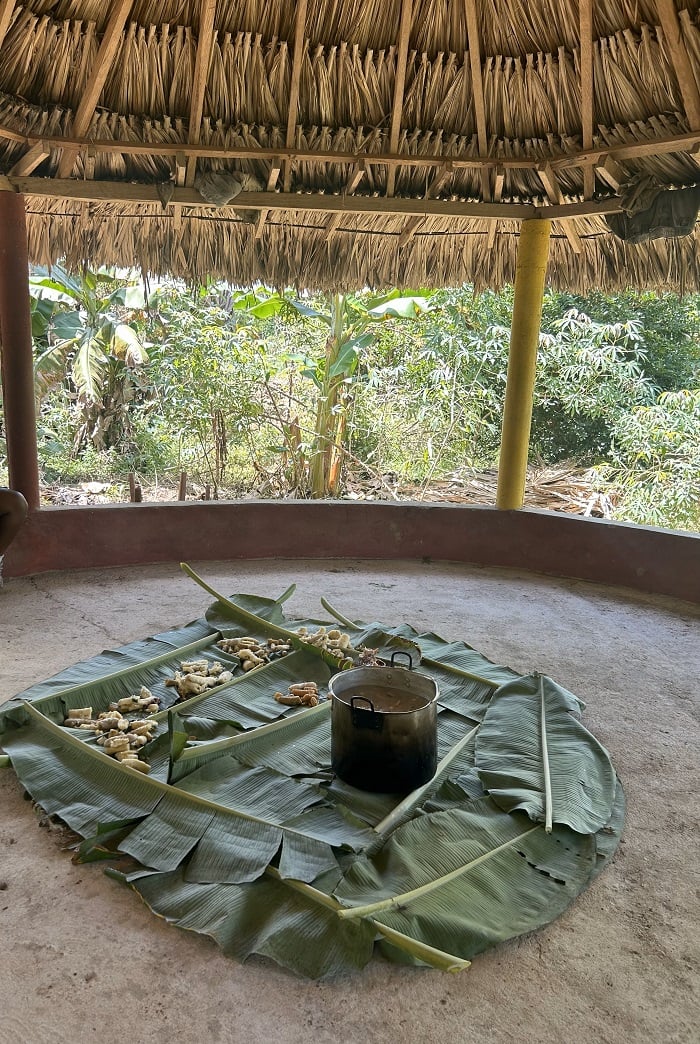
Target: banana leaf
(533, 754)
(71, 779)
(110, 676)
(466, 879)
(244, 834)
(266, 917)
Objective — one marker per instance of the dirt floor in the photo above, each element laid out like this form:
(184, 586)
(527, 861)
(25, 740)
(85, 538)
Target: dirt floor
(81, 958)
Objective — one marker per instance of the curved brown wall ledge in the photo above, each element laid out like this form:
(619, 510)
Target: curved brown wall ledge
(658, 561)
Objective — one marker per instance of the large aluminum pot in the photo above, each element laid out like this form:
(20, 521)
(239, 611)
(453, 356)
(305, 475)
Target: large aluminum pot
(384, 727)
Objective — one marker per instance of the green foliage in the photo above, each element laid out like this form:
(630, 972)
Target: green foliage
(85, 347)
(656, 461)
(203, 374)
(255, 389)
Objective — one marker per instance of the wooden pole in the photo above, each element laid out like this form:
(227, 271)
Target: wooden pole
(533, 252)
(16, 349)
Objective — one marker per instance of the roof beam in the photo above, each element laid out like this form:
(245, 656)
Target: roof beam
(439, 181)
(658, 146)
(399, 87)
(109, 45)
(205, 40)
(7, 9)
(668, 16)
(585, 10)
(612, 173)
(180, 167)
(297, 60)
(356, 175)
(556, 197)
(474, 46)
(31, 159)
(273, 176)
(130, 192)
(499, 181)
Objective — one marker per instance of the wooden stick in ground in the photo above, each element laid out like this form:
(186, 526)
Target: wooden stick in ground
(182, 490)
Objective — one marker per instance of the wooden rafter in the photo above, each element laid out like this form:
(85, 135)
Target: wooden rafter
(31, 159)
(555, 196)
(499, 180)
(180, 166)
(439, 181)
(205, 40)
(612, 173)
(130, 192)
(356, 175)
(109, 45)
(477, 75)
(687, 143)
(587, 89)
(399, 87)
(7, 9)
(297, 60)
(272, 178)
(683, 68)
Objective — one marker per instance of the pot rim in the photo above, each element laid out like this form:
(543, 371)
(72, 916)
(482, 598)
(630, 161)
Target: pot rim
(375, 674)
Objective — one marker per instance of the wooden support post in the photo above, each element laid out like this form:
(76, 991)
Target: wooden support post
(16, 358)
(531, 266)
(182, 488)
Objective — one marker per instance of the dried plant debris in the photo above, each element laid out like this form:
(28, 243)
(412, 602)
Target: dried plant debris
(300, 694)
(253, 653)
(196, 676)
(369, 658)
(121, 737)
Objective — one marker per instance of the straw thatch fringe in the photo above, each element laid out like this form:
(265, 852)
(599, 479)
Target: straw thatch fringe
(295, 251)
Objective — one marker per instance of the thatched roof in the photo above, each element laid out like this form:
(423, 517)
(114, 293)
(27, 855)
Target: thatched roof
(375, 141)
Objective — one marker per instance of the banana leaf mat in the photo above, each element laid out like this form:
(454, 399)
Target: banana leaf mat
(240, 830)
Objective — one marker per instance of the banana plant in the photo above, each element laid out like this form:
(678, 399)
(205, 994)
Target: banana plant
(349, 319)
(79, 329)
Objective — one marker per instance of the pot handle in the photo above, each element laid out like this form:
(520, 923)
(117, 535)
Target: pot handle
(402, 652)
(365, 719)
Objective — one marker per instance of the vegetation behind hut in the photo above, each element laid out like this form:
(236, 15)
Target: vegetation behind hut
(232, 388)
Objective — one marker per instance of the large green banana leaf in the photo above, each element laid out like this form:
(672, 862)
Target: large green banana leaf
(468, 878)
(242, 831)
(533, 754)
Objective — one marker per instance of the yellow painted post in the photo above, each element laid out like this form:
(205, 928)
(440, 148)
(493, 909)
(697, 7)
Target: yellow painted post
(533, 252)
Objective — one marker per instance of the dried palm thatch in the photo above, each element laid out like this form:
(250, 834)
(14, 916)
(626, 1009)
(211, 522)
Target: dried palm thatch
(396, 141)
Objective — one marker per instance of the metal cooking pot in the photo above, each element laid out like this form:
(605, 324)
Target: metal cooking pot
(384, 727)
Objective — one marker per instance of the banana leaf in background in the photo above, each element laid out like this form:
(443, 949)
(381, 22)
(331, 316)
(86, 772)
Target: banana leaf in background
(242, 832)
